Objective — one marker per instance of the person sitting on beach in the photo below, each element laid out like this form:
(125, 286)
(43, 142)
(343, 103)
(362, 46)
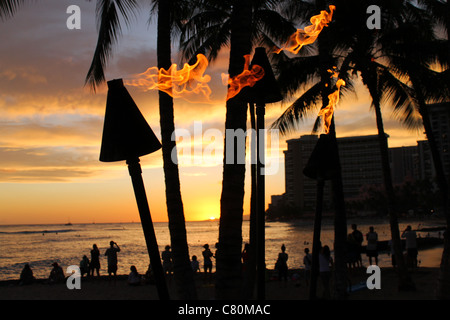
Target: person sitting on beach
(166, 257)
(57, 274)
(26, 276)
(134, 278)
(111, 253)
(195, 265)
(84, 265)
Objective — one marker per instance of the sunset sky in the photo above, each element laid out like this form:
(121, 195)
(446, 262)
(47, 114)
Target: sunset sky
(51, 125)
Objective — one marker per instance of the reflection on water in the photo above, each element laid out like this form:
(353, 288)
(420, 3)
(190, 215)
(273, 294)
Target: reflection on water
(41, 245)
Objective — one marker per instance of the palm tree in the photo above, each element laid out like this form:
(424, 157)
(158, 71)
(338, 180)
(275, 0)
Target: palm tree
(208, 30)
(439, 11)
(240, 25)
(309, 71)
(429, 86)
(410, 50)
(228, 274)
(360, 50)
(109, 29)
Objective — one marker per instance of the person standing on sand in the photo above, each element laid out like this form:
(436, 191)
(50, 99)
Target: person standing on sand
(307, 261)
(325, 265)
(357, 236)
(371, 249)
(411, 246)
(111, 253)
(167, 264)
(207, 262)
(95, 261)
(281, 264)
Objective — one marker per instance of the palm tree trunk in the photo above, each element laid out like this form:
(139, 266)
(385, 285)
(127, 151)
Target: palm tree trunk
(228, 257)
(340, 219)
(405, 281)
(340, 226)
(183, 274)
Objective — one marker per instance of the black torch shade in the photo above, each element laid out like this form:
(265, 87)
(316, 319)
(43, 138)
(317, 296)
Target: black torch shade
(126, 133)
(323, 162)
(266, 90)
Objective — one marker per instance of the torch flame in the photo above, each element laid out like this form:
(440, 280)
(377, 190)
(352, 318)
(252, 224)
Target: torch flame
(244, 79)
(185, 83)
(327, 112)
(308, 35)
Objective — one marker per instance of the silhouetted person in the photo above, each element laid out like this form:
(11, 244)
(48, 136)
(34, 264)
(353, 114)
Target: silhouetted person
(57, 274)
(95, 261)
(325, 264)
(357, 236)
(149, 277)
(26, 276)
(281, 264)
(195, 265)
(307, 261)
(84, 265)
(372, 248)
(111, 253)
(166, 257)
(207, 262)
(392, 253)
(411, 246)
(245, 256)
(134, 278)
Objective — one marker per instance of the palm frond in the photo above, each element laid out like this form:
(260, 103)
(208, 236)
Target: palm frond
(300, 109)
(109, 13)
(9, 7)
(400, 96)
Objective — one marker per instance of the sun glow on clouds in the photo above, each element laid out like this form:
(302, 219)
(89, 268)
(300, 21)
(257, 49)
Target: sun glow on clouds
(51, 127)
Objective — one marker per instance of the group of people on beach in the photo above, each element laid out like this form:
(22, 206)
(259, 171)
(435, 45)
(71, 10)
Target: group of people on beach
(355, 239)
(207, 254)
(87, 267)
(355, 248)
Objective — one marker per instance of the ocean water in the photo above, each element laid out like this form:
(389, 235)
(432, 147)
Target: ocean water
(41, 245)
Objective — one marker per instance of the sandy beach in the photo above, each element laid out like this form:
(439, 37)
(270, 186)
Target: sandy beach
(424, 277)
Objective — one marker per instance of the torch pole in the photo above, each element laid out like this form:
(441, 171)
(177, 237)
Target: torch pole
(316, 239)
(260, 220)
(134, 168)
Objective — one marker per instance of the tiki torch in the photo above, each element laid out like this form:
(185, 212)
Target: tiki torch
(127, 136)
(264, 91)
(321, 166)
